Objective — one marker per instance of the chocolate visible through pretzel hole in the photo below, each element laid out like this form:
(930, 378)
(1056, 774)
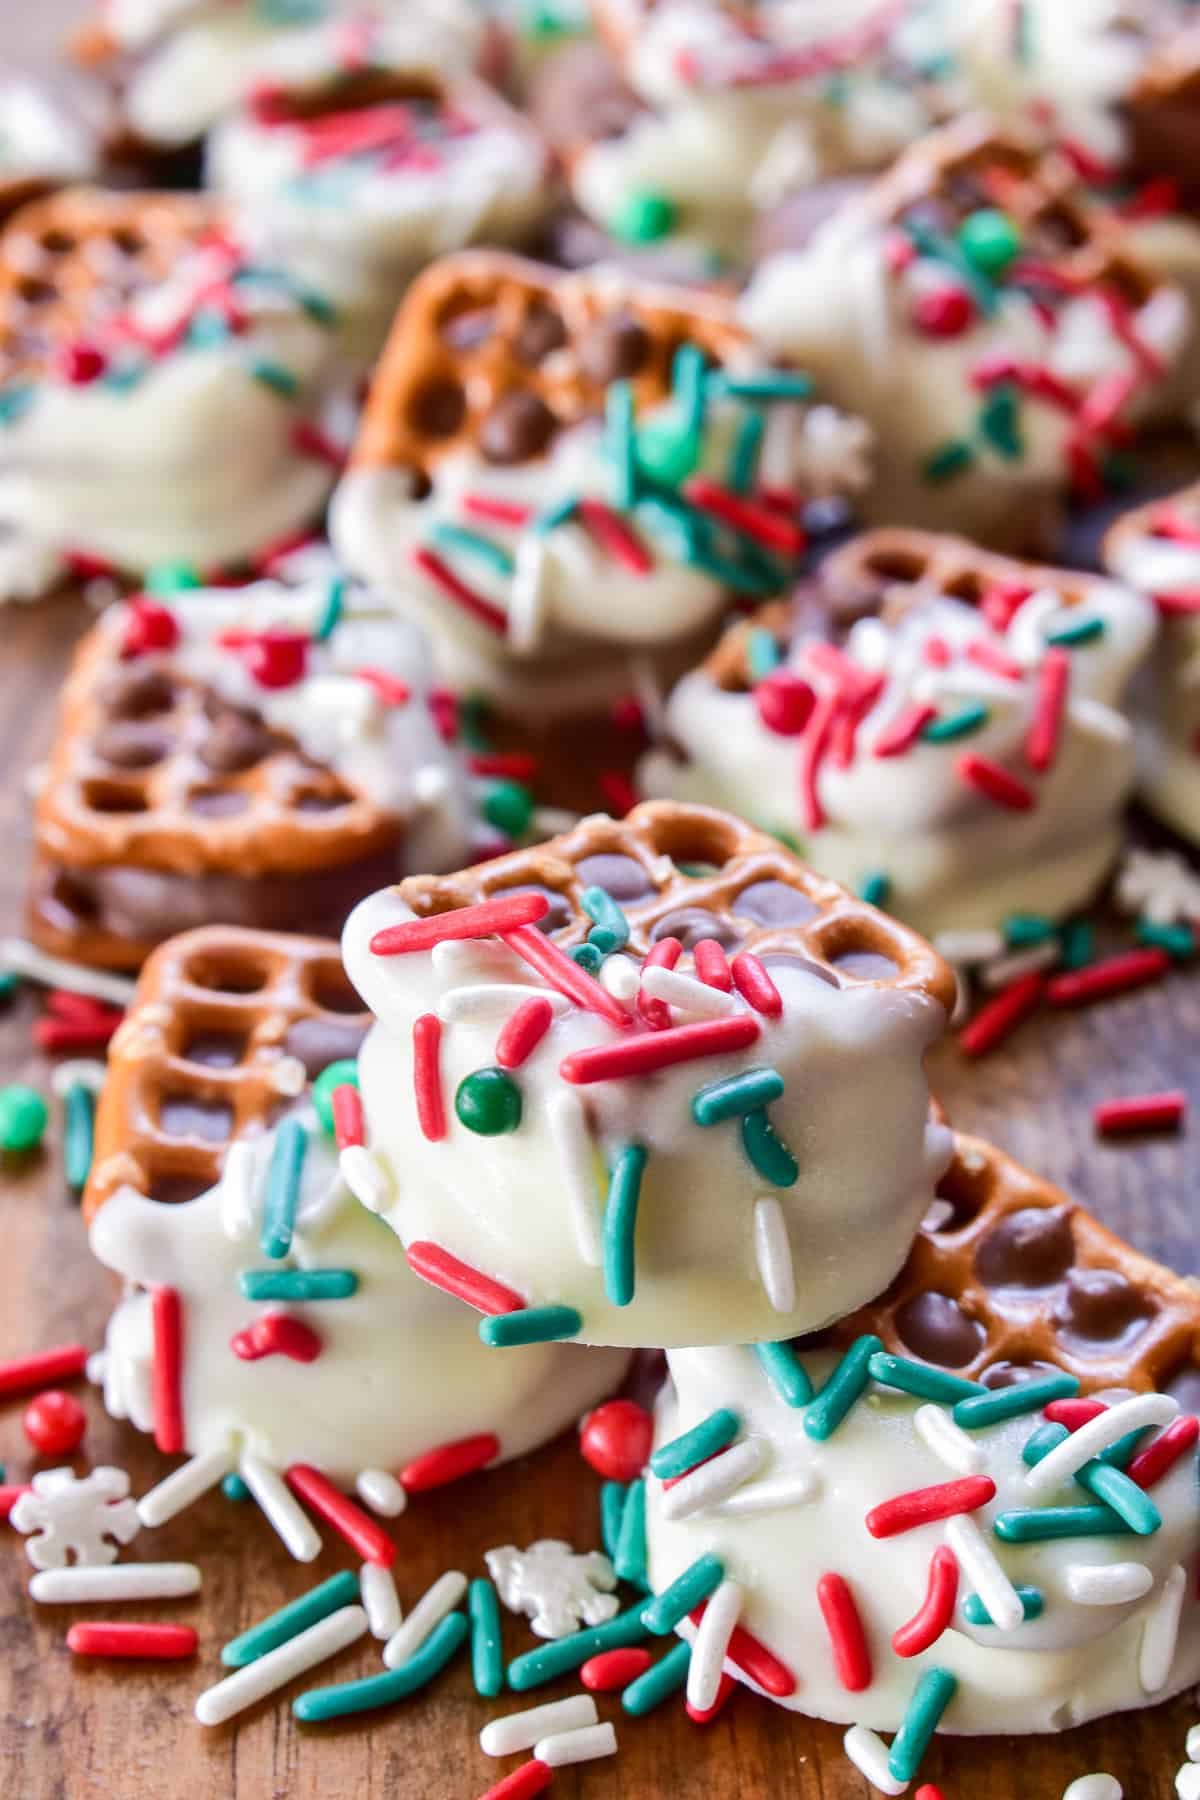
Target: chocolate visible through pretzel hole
(935, 1328)
(1030, 1249)
(1101, 1309)
(622, 877)
(519, 427)
(775, 903)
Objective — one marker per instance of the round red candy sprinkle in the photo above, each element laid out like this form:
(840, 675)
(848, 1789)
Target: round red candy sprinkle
(276, 659)
(81, 363)
(943, 312)
(149, 626)
(55, 1423)
(616, 1439)
(784, 702)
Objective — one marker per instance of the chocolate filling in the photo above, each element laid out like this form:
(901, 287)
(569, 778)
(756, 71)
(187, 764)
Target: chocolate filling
(935, 1328)
(622, 877)
(1031, 1249)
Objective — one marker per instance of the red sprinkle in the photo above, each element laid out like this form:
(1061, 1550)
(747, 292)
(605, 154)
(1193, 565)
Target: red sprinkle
(449, 1462)
(813, 746)
(427, 1077)
(533, 1777)
(990, 657)
(927, 1791)
(663, 955)
(1140, 1112)
(903, 731)
(1152, 1463)
(660, 1049)
(502, 512)
(562, 973)
(502, 914)
(1074, 1413)
(755, 985)
(71, 1034)
(1002, 602)
(1181, 605)
(349, 1123)
(148, 626)
(454, 588)
(936, 1612)
(851, 1658)
(364, 1535)
(310, 440)
(784, 701)
(751, 1656)
(276, 658)
(1000, 1016)
(614, 1669)
(712, 965)
(159, 1643)
(904, 1512)
(755, 522)
(55, 1423)
(1054, 679)
(42, 1369)
(80, 1007)
(1115, 975)
(615, 1439)
(391, 690)
(509, 765)
(525, 1030)
(994, 782)
(725, 1688)
(81, 363)
(166, 1314)
(277, 1334)
(943, 312)
(615, 536)
(441, 1270)
(10, 1494)
(620, 795)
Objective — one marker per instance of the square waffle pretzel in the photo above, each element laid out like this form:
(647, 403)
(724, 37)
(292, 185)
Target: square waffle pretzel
(1019, 1276)
(150, 769)
(680, 871)
(201, 1059)
(480, 327)
(1142, 522)
(73, 259)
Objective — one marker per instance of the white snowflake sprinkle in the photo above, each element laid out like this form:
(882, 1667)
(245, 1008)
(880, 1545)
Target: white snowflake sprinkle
(76, 1517)
(833, 453)
(558, 1588)
(1160, 886)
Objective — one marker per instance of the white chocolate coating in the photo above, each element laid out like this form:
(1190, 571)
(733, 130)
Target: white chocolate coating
(1074, 1662)
(952, 857)
(39, 139)
(401, 1370)
(519, 1208)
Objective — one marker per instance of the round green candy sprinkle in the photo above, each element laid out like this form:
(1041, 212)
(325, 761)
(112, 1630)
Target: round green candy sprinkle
(920, 1380)
(589, 956)
(785, 1372)
(989, 240)
(235, 1489)
(768, 1153)
(668, 450)
(1078, 944)
(342, 1073)
(531, 1325)
(660, 1680)
(488, 1102)
(1045, 1522)
(1032, 1605)
(551, 1660)
(487, 1655)
(612, 1508)
(931, 1696)
(172, 578)
(347, 1697)
(846, 1384)
(736, 1095)
(509, 806)
(23, 1118)
(644, 217)
(698, 1581)
(1011, 1402)
(692, 1447)
(630, 1559)
(340, 1590)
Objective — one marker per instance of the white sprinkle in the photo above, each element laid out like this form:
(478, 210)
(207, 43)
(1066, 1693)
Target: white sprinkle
(380, 1599)
(767, 1496)
(1004, 969)
(1161, 1632)
(938, 1213)
(77, 1071)
(688, 994)
(184, 1485)
(527, 595)
(277, 1503)
(969, 947)
(23, 958)
(586, 1745)
(430, 784)
(711, 1644)
(239, 1179)
(429, 1611)
(948, 1441)
(568, 1124)
(1134, 1414)
(96, 1368)
(773, 1253)
(366, 1177)
(272, 1671)
(118, 1581)
(714, 1481)
(289, 1076)
(980, 1565)
(621, 977)
(869, 1754)
(379, 1489)
(1187, 1782)
(520, 1731)
(1108, 1584)
(1094, 1787)
(490, 1000)
(1193, 1743)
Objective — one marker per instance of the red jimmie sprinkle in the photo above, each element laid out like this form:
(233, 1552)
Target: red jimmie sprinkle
(562, 973)
(80, 1007)
(349, 1123)
(502, 914)
(614, 1669)
(936, 1612)
(904, 1512)
(810, 756)
(55, 1423)
(754, 521)
(501, 512)
(454, 588)
(276, 658)
(614, 535)
(148, 626)
(390, 689)
(1074, 1413)
(533, 1777)
(712, 965)
(705, 1715)
(1179, 605)
(449, 1462)
(1054, 680)
(1116, 974)
(166, 1314)
(427, 1077)
(75, 1034)
(158, 1643)
(509, 765)
(278, 1334)
(851, 1658)
(521, 1034)
(989, 656)
(755, 985)
(993, 782)
(751, 1656)
(903, 731)
(364, 1535)
(997, 1018)
(660, 1049)
(1152, 1463)
(615, 1439)
(1140, 1112)
(42, 1369)
(441, 1270)
(663, 955)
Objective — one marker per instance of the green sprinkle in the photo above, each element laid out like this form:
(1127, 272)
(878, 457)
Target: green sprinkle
(1112, 1487)
(1084, 631)
(945, 250)
(1125, 1449)
(1179, 941)
(989, 240)
(688, 384)
(768, 1153)
(331, 611)
(23, 1118)
(949, 726)
(172, 578)
(488, 1102)
(1000, 421)
(14, 404)
(207, 329)
(283, 1190)
(554, 516)
(775, 385)
(846, 1384)
(698, 1581)
(785, 1372)
(630, 1559)
(1078, 944)
(559, 1657)
(930, 1698)
(235, 1489)
(1059, 1522)
(343, 1073)
(659, 1681)
(643, 217)
(340, 1590)
(620, 1223)
(604, 941)
(603, 909)
(1011, 1402)
(1032, 1606)
(620, 444)
(763, 653)
(947, 461)
(692, 1447)
(9, 984)
(735, 1095)
(1023, 930)
(319, 1704)
(875, 888)
(921, 1380)
(509, 806)
(273, 375)
(743, 458)
(474, 720)
(297, 1284)
(531, 1325)
(589, 956)
(473, 543)
(79, 1107)
(1042, 1441)
(612, 1507)
(487, 1651)
(667, 452)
